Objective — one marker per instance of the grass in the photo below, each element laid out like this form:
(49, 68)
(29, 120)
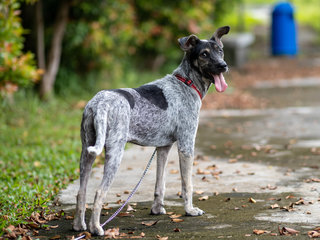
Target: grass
(39, 152)
(40, 148)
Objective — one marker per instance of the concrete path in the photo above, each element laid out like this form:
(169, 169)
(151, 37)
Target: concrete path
(271, 155)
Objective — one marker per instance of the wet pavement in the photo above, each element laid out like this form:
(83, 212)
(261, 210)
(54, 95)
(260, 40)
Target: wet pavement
(254, 169)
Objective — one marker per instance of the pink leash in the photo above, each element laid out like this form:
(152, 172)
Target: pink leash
(129, 197)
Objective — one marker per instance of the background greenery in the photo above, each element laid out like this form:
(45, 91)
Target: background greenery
(107, 44)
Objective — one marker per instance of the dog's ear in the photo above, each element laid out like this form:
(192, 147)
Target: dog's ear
(186, 43)
(219, 33)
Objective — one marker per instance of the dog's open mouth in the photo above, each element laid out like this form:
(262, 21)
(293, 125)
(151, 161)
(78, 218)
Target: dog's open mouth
(220, 82)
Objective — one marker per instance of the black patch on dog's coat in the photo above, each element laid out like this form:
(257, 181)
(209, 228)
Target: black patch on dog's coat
(153, 94)
(127, 96)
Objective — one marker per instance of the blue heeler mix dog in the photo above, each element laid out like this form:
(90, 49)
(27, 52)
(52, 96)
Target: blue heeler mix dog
(156, 114)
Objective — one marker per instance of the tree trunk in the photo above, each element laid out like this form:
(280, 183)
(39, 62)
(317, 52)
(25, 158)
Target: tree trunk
(49, 76)
(40, 37)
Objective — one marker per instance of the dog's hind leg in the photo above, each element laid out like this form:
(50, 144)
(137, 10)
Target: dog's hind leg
(85, 169)
(114, 155)
(115, 143)
(162, 157)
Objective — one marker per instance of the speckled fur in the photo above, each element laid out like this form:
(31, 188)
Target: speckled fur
(156, 114)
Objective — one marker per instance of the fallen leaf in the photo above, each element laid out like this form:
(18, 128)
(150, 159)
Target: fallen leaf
(177, 220)
(174, 171)
(125, 214)
(252, 200)
(177, 230)
(213, 147)
(161, 238)
(175, 216)
(150, 223)
(300, 202)
(287, 231)
(254, 154)
(203, 198)
(86, 234)
(53, 227)
(199, 192)
(233, 160)
(170, 213)
(204, 179)
(142, 234)
(212, 167)
(33, 225)
(259, 232)
(111, 233)
(130, 209)
(126, 192)
(274, 206)
(314, 234)
(10, 231)
(69, 217)
(118, 195)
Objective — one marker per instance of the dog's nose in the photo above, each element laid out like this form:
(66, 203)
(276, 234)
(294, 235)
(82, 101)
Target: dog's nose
(222, 66)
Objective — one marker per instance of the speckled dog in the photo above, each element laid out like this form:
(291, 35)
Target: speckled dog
(156, 114)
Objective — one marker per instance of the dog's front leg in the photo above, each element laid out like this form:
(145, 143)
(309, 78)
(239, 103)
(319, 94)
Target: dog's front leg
(158, 204)
(186, 163)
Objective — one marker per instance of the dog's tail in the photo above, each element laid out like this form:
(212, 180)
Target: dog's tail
(100, 125)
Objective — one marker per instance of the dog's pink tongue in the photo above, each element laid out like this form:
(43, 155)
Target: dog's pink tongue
(220, 83)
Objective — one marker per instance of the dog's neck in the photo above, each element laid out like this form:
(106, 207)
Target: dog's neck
(188, 71)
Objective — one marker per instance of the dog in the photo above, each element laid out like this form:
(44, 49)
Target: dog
(158, 114)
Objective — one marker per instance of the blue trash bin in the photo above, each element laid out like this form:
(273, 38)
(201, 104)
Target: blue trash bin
(283, 30)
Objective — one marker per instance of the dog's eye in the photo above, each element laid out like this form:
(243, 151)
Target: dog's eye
(205, 54)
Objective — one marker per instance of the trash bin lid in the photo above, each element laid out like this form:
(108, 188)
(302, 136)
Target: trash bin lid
(283, 8)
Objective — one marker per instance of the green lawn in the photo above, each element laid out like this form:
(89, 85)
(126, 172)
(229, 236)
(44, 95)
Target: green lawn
(39, 154)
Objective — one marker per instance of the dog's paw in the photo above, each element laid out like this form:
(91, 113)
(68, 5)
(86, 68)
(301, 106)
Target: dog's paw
(194, 212)
(96, 230)
(79, 225)
(158, 210)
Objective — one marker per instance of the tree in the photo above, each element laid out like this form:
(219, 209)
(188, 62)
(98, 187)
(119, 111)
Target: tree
(51, 69)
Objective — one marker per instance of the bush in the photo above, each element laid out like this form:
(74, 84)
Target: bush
(17, 69)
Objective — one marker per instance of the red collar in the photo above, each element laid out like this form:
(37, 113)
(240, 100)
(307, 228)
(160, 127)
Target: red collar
(189, 83)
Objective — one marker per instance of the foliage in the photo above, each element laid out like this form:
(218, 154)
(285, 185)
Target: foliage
(16, 68)
(40, 149)
(125, 34)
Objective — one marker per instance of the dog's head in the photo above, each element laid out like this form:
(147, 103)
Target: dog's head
(206, 56)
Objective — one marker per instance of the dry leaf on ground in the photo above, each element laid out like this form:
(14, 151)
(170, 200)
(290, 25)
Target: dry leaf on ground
(111, 233)
(203, 198)
(175, 216)
(274, 206)
(177, 220)
(150, 223)
(259, 231)
(287, 231)
(162, 238)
